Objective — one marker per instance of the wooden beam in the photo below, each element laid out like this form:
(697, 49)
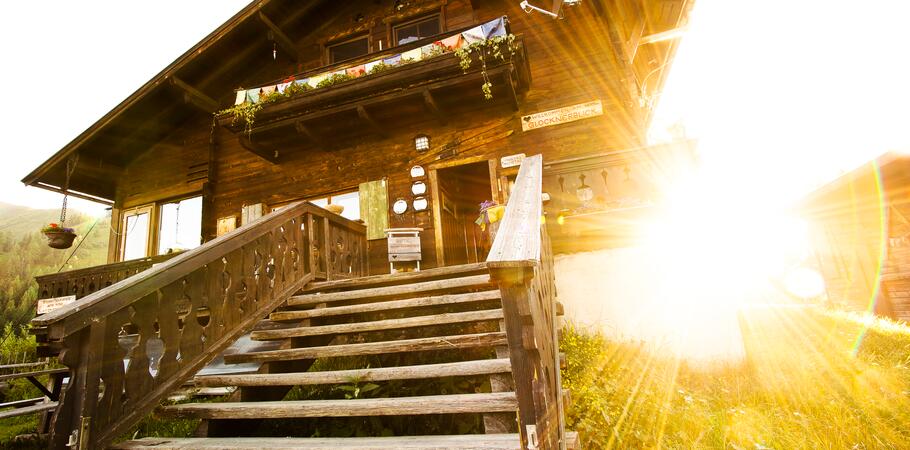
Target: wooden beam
(367, 119)
(194, 96)
(430, 103)
(310, 134)
(264, 153)
(285, 42)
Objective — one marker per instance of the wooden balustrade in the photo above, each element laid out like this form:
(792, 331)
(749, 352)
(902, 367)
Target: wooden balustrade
(521, 262)
(82, 282)
(194, 306)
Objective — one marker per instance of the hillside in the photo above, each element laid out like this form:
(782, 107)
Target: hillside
(24, 254)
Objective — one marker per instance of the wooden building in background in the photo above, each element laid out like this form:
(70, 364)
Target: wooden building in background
(860, 233)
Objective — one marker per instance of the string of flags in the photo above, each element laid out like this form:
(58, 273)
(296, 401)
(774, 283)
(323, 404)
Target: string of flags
(479, 33)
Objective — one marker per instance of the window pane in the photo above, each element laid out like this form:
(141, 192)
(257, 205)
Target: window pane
(348, 50)
(135, 242)
(181, 225)
(351, 203)
(417, 30)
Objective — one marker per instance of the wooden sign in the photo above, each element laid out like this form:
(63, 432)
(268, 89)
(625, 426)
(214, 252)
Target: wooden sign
(511, 160)
(404, 244)
(562, 115)
(226, 225)
(47, 305)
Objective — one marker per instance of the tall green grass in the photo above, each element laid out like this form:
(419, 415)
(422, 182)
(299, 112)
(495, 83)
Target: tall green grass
(811, 379)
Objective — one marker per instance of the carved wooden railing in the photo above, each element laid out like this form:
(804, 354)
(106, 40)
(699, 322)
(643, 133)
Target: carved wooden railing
(81, 282)
(521, 262)
(194, 306)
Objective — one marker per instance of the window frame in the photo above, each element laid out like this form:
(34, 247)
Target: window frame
(347, 40)
(158, 216)
(393, 36)
(154, 231)
(134, 211)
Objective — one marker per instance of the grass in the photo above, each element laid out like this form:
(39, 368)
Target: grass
(811, 379)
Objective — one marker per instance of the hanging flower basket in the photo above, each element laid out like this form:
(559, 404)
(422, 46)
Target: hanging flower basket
(59, 237)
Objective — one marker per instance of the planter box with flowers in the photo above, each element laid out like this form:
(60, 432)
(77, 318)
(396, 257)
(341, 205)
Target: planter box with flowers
(58, 236)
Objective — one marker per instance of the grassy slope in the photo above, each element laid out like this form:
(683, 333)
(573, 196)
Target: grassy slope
(804, 384)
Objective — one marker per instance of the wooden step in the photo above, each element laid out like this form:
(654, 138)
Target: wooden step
(418, 302)
(394, 406)
(41, 407)
(392, 291)
(398, 278)
(452, 442)
(379, 325)
(373, 348)
(424, 371)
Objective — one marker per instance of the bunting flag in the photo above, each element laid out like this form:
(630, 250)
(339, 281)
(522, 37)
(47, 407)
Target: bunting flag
(252, 95)
(302, 81)
(494, 28)
(241, 97)
(338, 72)
(357, 71)
(368, 67)
(281, 87)
(266, 90)
(473, 35)
(392, 60)
(411, 55)
(453, 42)
(314, 80)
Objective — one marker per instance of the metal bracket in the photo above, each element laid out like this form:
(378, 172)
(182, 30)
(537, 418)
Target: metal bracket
(533, 442)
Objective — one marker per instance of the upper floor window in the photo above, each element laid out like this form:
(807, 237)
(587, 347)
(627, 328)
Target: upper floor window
(349, 49)
(414, 30)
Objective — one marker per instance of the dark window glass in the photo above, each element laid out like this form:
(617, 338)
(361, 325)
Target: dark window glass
(348, 50)
(420, 29)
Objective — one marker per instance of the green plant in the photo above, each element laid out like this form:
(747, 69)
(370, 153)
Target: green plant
(498, 47)
(295, 88)
(380, 67)
(243, 113)
(334, 79)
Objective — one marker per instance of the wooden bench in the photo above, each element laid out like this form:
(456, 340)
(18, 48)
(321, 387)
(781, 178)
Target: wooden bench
(46, 404)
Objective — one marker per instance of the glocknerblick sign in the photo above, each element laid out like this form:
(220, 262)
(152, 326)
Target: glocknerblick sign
(562, 115)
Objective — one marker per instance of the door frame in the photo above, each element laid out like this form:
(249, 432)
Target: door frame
(433, 177)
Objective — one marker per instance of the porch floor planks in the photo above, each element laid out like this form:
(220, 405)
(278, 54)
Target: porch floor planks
(392, 291)
(374, 348)
(388, 406)
(433, 300)
(424, 371)
(379, 325)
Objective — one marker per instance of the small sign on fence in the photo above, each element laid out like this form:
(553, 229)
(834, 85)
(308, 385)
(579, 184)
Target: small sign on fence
(46, 305)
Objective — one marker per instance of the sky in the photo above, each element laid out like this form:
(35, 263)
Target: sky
(781, 94)
(66, 64)
(786, 94)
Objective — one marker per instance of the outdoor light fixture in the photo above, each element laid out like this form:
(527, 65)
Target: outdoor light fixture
(584, 192)
(529, 8)
(420, 204)
(422, 142)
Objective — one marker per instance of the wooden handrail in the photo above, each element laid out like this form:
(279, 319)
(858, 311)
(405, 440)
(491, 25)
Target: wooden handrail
(196, 305)
(521, 263)
(517, 240)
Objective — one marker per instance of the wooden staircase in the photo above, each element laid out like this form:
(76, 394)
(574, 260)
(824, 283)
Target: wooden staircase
(321, 356)
(385, 331)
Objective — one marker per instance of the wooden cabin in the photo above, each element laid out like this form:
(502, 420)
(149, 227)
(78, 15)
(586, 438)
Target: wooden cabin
(860, 231)
(259, 174)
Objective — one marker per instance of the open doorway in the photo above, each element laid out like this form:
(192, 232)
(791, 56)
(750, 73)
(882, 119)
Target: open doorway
(461, 190)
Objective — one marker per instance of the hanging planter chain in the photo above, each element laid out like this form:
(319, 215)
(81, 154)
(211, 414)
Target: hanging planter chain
(70, 168)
